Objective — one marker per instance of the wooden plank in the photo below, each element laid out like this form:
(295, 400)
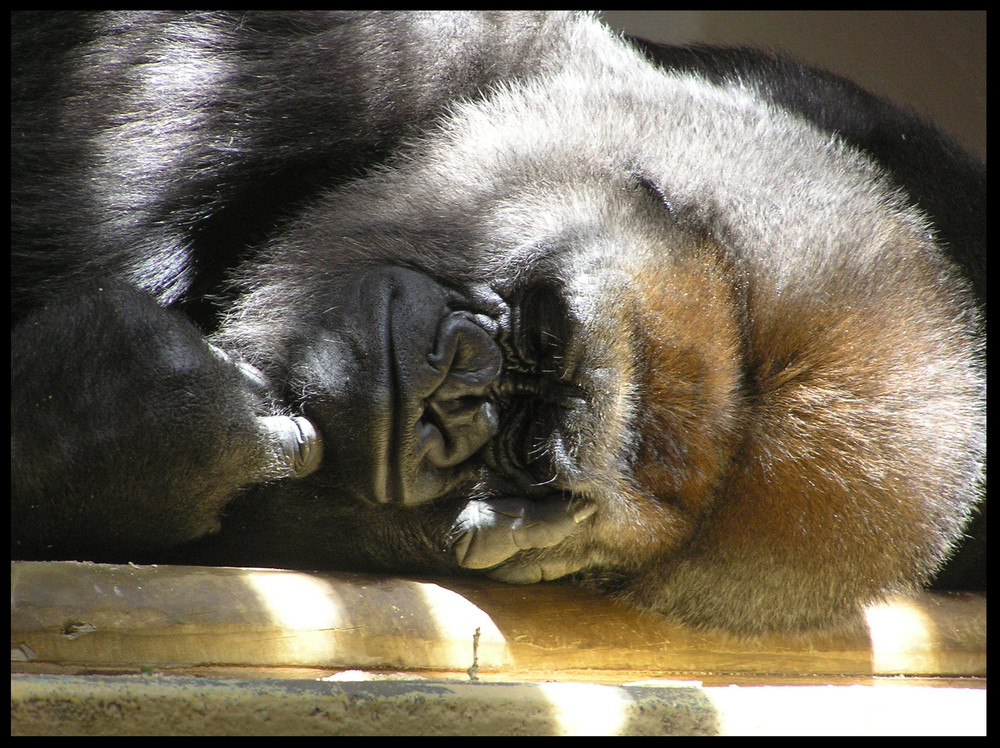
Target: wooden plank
(105, 615)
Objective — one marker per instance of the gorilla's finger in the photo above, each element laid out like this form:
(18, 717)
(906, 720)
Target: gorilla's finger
(296, 444)
(253, 377)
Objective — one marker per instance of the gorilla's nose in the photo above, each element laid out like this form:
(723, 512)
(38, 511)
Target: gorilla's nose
(458, 416)
(450, 415)
(445, 366)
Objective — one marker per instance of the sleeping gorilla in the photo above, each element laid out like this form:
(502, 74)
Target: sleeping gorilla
(488, 293)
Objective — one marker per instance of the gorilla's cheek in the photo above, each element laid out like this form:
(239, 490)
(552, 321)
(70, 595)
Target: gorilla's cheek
(400, 384)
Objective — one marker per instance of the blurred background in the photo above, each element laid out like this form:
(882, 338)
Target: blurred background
(931, 61)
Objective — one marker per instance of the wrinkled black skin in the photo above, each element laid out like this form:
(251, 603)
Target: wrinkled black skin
(122, 411)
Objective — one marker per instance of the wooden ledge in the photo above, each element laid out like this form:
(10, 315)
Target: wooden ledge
(96, 615)
(181, 705)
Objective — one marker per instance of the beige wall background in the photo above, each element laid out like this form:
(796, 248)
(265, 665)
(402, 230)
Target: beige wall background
(932, 61)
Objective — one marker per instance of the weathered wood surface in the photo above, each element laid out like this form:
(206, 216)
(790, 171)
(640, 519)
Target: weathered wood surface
(103, 615)
(181, 705)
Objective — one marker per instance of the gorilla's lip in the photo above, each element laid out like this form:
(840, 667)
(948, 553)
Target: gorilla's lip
(402, 382)
(347, 387)
(388, 484)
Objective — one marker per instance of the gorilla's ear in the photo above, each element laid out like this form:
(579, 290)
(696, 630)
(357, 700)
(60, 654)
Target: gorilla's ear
(650, 186)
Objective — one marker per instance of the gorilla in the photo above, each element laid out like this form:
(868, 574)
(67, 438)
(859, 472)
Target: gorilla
(499, 294)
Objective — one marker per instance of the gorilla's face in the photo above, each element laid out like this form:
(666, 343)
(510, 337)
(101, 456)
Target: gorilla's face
(519, 339)
(582, 380)
(504, 315)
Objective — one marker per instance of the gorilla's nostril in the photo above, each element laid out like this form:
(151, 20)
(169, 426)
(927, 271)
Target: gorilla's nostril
(467, 355)
(459, 409)
(460, 431)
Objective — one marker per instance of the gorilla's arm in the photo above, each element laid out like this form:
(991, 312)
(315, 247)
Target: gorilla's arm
(178, 141)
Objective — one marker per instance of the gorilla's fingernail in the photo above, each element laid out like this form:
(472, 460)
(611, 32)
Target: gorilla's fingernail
(461, 546)
(296, 445)
(309, 454)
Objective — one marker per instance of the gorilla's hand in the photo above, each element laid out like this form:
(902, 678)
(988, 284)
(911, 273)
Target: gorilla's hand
(294, 445)
(489, 533)
(129, 432)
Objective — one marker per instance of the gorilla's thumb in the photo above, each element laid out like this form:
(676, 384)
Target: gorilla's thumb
(295, 444)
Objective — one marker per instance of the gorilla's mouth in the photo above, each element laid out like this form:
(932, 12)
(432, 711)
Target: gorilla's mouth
(480, 397)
